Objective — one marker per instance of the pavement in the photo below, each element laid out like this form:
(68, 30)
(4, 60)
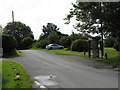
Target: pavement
(68, 71)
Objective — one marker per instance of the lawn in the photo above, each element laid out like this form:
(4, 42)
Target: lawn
(113, 55)
(14, 76)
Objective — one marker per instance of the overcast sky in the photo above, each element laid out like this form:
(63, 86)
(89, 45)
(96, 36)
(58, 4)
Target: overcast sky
(36, 13)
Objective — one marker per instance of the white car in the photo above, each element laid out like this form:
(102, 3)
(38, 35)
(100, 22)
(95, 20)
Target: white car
(54, 46)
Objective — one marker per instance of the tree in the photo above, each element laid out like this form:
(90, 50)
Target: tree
(66, 41)
(19, 31)
(90, 13)
(53, 37)
(27, 42)
(50, 27)
(95, 17)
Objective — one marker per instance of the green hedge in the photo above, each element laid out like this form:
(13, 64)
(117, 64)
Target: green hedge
(8, 43)
(79, 45)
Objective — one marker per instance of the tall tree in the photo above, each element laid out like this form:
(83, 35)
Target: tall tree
(90, 14)
(53, 37)
(19, 31)
(50, 27)
(96, 17)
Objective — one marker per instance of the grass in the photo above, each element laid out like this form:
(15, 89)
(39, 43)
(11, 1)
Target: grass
(13, 54)
(62, 52)
(10, 70)
(113, 55)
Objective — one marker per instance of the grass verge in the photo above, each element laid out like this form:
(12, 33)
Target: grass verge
(113, 55)
(13, 54)
(14, 76)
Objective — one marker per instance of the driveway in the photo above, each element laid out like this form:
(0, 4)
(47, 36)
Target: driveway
(68, 71)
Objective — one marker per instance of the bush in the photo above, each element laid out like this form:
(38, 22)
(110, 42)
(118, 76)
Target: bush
(9, 43)
(79, 45)
(27, 42)
(40, 44)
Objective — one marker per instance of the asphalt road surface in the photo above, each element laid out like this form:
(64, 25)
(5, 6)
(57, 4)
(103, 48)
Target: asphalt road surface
(69, 71)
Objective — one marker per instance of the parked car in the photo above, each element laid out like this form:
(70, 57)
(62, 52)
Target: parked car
(54, 46)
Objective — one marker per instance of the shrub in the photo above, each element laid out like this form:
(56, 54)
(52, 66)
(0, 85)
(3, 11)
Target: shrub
(79, 45)
(8, 43)
(27, 42)
(40, 44)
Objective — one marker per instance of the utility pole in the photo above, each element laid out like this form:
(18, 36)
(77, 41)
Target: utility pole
(12, 16)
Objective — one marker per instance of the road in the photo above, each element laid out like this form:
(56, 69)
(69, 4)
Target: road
(70, 71)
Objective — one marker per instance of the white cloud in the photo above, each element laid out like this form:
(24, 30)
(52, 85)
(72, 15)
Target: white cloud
(36, 13)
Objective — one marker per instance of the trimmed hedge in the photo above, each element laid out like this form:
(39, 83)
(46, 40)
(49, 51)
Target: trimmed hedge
(9, 43)
(79, 45)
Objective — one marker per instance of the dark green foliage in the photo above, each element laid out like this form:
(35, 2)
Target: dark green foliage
(19, 31)
(50, 27)
(87, 14)
(27, 42)
(79, 45)
(8, 43)
(40, 44)
(109, 41)
(53, 37)
(66, 41)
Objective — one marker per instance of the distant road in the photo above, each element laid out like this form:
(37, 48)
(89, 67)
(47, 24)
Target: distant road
(70, 71)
